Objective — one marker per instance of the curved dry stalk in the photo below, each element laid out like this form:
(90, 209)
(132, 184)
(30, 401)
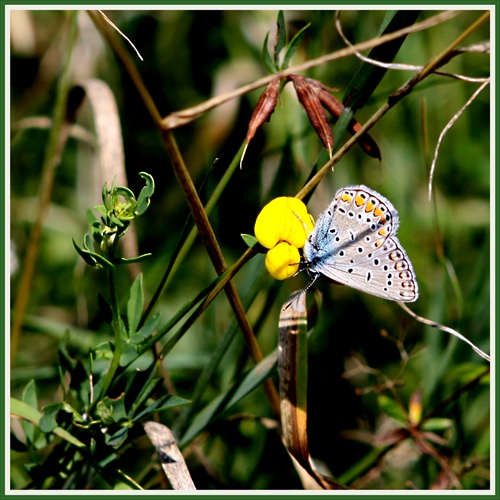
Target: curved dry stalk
(113, 25)
(392, 100)
(412, 67)
(128, 64)
(448, 126)
(182, 117)
(446, 329)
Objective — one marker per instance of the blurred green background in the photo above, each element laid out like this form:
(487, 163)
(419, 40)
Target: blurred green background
(190, 56)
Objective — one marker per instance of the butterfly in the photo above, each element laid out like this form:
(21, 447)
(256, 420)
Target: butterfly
(354, 243)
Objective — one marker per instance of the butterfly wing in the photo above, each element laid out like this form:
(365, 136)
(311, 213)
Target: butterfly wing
(354, 243)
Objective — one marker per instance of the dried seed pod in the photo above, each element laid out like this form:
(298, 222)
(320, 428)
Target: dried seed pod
(335, 107)
(263, 111)
(307, 93)
(366, 141)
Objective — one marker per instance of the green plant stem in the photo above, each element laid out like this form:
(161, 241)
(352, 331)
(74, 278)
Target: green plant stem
(55, 145)
(190, 239)
(115, 325)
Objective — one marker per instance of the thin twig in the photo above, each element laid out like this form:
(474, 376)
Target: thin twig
(407, 67)
(448, 126)
(447, 329)
(108, 20)
(393, 99)
(182, 117)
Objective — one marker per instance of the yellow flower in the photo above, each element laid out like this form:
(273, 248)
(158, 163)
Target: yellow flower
(283, 219)
(282, 261)
(283, 226)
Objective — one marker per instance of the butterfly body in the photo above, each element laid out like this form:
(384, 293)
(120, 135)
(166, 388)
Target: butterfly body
(354, 243)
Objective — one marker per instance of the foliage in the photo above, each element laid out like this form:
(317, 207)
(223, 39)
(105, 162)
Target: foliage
(106, 338)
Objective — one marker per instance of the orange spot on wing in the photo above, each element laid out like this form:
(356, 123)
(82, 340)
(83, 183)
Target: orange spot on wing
(359, 200)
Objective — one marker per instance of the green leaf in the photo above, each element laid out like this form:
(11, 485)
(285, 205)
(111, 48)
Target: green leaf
(147, 330)
(164, 403)
(30, 398)
(105, 196)
(115, 221)
(140, 258)
(147, 389)
(104, 413)
(129, 354)
(116, 407)
(85, 254)
(119, 437)
(229, 398)
(88, 245)
(29, 394)
(124, 191)
(22, 410)
(92, 258)
(437, 424)
(91, 218)
(135, 304)
(366, 80)
(266, 56)
(293, 45)
(280, 37)
(145, 194)
(48, 420)
(392, 408)
(101, 209)
(251, 241)
(104, 351)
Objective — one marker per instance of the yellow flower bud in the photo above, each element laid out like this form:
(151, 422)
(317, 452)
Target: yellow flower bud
(283, 219)
(282, 261)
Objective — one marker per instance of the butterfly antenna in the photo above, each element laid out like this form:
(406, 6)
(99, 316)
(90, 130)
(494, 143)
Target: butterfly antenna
(289, 303)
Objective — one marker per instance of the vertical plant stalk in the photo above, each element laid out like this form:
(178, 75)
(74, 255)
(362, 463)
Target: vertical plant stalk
(292, 370)
(55, 146)
(193, 200)
(190, 239)
(208, 237)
